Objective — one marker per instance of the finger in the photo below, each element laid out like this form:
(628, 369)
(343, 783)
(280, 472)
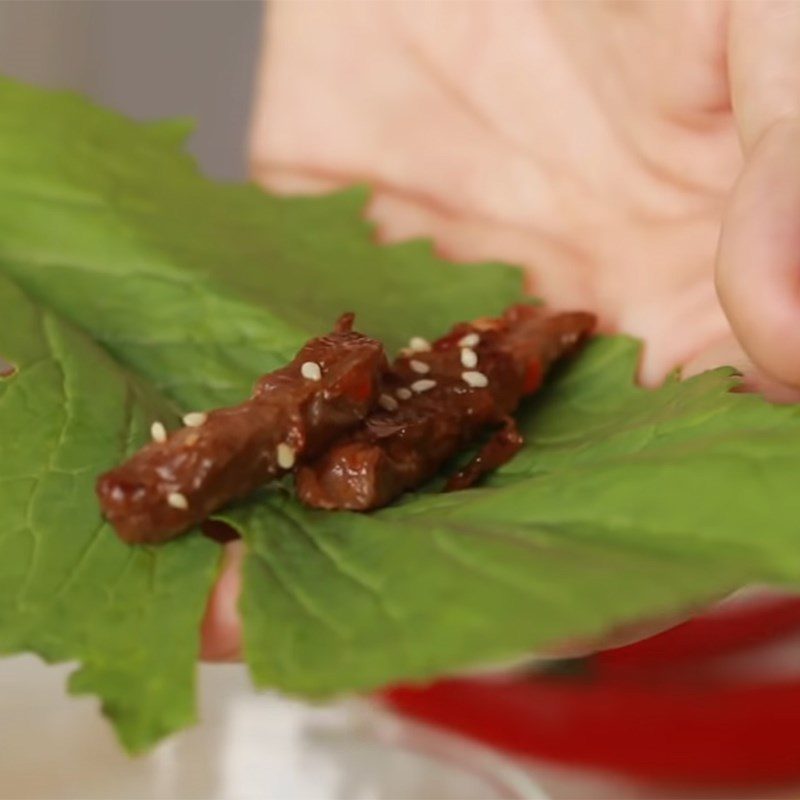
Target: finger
(221, 632)
(758, 262)
(728, 352)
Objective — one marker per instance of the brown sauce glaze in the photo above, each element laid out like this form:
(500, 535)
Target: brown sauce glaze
(504, 444)
(441, 400)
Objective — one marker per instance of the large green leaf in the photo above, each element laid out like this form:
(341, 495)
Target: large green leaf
(69, 589)
(133, 288)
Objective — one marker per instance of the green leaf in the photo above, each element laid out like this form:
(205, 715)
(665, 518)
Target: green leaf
(133, 287)
(69, 589)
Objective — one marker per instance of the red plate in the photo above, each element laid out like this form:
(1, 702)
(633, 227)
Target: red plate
(664, 709)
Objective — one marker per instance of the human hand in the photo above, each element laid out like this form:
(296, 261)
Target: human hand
(641, 160)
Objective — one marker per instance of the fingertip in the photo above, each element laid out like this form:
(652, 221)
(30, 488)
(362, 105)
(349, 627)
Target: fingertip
(758, 263)
(727, 352)
(221, 631)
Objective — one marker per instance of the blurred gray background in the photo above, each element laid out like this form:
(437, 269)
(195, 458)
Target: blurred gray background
(148, 59)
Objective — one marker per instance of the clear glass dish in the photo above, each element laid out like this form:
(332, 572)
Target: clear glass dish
(248, 745)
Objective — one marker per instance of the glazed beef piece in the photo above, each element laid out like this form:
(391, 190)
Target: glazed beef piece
(180, 478)
(357, 433)
(503, 445)
(439, 398)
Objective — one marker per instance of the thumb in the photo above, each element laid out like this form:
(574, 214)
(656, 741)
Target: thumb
(728, 351)
(221, 630)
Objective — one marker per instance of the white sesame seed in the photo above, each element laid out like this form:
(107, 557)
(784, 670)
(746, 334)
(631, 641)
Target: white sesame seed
(286, 455)
(475, 379)
(194, 419)
(470, 340)
(420, 367)
(419, 345)
(423, 386)
(311, 370)
(403, 393)
(158, 432)
(178, 500)
(469, 358)
(388, 402)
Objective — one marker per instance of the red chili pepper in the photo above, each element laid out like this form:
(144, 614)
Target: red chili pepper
(533, 377)
(358, 388)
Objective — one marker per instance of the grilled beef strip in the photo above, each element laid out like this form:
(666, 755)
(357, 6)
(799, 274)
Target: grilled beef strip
(436, 401)
(293, 414)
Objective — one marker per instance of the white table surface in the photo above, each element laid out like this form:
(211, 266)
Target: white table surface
(248, 746)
